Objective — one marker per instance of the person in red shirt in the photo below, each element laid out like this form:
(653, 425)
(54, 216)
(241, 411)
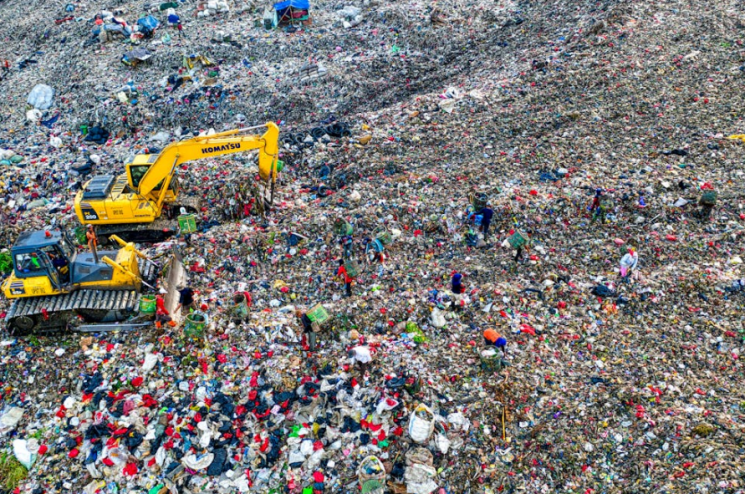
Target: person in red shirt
(161, 313)
(342, 273)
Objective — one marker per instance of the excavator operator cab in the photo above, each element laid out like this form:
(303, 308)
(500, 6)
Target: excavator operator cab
(139, 167)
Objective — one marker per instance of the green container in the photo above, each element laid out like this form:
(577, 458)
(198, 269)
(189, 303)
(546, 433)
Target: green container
(413, 385)
(187, 223)
(318, 315)
(383, 236)
(147, 304)
(491, 363)
(479, 201)
(518, 239)
(84, 130)
(194, 325)
(341, 227)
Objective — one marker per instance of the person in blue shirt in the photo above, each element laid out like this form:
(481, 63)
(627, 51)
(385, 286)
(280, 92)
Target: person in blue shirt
(458, 290)
(486, 215)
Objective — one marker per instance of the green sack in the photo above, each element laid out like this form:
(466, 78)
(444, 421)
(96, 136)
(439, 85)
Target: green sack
(318, 314)
(187, 223)
(6, 262)
(352, 270)
(80, 235)
(416, 334)
(709, 198)
(518, 239)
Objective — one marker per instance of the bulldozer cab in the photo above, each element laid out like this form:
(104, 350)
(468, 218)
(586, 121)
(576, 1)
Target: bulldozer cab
(41, 254)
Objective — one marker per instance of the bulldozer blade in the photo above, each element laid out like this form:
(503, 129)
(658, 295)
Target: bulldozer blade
(175, 275)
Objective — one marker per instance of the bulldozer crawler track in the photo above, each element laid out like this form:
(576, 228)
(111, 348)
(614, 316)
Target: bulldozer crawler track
(52, 314)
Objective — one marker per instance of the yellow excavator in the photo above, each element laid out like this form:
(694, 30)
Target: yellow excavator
(54, 287)
(142, 204)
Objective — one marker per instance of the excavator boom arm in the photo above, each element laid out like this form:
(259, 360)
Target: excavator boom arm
(232, 141)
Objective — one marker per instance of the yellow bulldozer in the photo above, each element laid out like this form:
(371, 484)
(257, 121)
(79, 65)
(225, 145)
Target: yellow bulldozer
(54, 288)
(142, 204)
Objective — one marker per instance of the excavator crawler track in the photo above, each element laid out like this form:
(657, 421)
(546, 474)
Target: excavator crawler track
(159, 230)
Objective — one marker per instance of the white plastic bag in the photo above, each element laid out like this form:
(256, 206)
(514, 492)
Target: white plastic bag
(22, 454)
(418, 479)
(443, 443)
(437, 318)
(421, 424)
(41, 97)
(150, 360)
(385, 405)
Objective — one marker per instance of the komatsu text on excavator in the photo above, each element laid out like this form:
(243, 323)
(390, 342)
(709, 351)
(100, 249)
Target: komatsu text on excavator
(141, 205)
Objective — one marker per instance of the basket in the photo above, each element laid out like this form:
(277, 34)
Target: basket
(80, 235)
(6, 263)
(194, 325)
(371, 475)
(187, 223)
(518, 239)
(490, 362)
(383, 236)
(479, 201)
(413, 385)
(341, 227)
(147, 304)
(239, 308)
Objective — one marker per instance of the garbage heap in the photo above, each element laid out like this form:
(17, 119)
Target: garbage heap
(400, 122)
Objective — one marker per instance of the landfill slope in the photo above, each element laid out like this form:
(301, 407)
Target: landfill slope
(612, 384)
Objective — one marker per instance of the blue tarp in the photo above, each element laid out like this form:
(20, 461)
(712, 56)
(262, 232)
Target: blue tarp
(295, 4)
(149, 22)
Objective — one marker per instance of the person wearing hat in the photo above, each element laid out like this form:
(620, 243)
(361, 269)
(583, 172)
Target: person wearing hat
(492, 338)
(458, 289)
(309, 335)
(90, 235)
(342, 273)
(360, 357)
(486, 215)
(629, 262)
(161, 313)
